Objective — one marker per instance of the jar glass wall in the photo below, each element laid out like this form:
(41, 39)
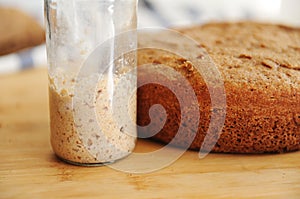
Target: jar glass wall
(91, 48)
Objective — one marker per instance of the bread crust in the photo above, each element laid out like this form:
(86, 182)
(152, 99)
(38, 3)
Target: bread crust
(18, 31)
(260, 64)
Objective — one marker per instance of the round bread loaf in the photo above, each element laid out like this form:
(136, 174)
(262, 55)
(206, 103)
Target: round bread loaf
(260, 66)
(18, 31)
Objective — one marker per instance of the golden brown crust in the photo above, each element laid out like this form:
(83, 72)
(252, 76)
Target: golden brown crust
(18, 31)
(260, 64)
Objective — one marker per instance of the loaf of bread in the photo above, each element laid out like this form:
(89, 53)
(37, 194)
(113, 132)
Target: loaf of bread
(260, 66)
(18, 31)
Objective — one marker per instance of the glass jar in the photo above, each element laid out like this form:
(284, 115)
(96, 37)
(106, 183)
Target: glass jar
(90, 47)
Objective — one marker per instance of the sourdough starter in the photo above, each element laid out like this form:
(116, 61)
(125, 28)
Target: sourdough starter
(87, 132)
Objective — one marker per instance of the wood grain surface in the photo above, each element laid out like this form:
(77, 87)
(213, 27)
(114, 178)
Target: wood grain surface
(28, 168)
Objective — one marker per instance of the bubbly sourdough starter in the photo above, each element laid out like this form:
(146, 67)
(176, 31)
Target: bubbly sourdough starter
(81, 137)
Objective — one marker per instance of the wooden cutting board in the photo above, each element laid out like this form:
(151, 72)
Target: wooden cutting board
(28, 168)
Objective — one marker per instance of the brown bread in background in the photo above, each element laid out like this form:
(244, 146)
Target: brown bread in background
(18, 31)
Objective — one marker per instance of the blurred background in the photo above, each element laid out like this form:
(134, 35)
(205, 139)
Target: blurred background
(186, 12)
(163, 13)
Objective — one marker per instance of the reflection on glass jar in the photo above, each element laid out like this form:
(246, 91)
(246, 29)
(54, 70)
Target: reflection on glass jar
(88, 53)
